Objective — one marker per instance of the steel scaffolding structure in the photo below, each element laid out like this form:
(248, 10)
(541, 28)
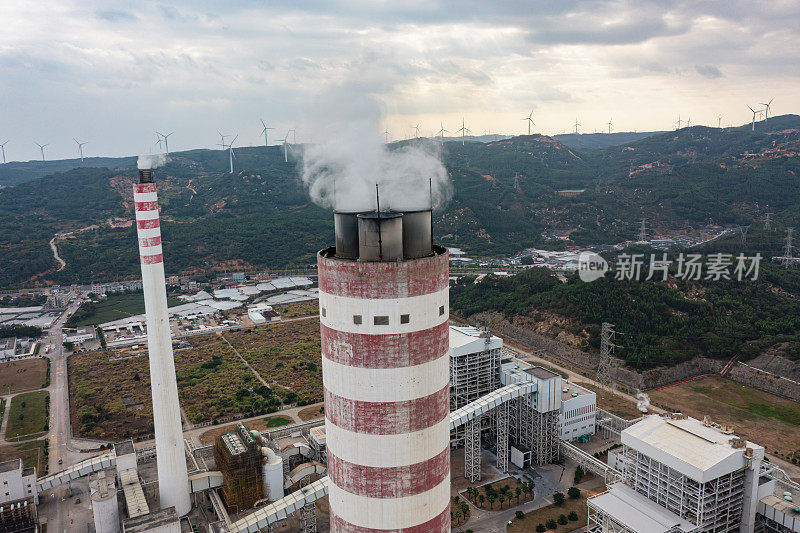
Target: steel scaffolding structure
(544, 433)
(473, 376)
(502, 417)
(713, 506)
(472, 450)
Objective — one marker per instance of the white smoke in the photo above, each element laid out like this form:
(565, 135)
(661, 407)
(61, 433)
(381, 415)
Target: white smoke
(151, 161)
(350, 157)
(642, 401)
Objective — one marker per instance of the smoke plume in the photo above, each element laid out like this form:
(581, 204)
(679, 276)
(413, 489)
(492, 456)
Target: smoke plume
(350, 156)
(151, 161)
(642, 401)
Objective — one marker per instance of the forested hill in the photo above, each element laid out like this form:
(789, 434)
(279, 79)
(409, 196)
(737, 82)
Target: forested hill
(505, 197)
(659, 323)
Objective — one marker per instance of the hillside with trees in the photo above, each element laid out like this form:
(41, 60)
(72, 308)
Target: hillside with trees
(505, 196)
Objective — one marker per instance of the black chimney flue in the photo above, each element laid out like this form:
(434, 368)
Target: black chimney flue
(145, 175)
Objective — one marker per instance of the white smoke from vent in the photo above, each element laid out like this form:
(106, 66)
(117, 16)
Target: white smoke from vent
(642, 401)
(349, 156)
(151, 161)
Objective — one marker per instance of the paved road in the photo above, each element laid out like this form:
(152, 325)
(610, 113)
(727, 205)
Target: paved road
(54, 248)
(67, 515)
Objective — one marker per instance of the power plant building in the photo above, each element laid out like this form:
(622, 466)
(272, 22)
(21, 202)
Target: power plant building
(384, 304)
(696, 476)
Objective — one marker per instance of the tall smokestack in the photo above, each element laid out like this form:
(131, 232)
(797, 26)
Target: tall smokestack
(173, 480)
(383, 318)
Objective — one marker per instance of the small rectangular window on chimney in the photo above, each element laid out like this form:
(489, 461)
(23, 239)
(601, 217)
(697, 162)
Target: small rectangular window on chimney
(356, 319)
(382, 320)
(404, 319)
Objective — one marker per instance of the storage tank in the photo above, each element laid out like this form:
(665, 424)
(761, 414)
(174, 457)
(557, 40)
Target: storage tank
(346, 225)
(417, 234)
(380, 236)
(272, 474)
(103, 494)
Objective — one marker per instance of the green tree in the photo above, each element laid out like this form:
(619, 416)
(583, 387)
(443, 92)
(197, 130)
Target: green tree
(578, 475)
(558, 498)
(482, 499)
(573, 516)
(458, 517)
(520, 515)
(501, 498)
(562, 519)
(492, 498)
(518, 492)
(540, 528)
(464, 509)
(551, 524)
(574, 493)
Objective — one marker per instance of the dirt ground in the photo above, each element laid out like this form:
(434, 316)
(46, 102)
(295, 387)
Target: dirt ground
(763, 418)
(23, 375)
(260, 424)
(311, 412)
(613, 403)
(31, 453)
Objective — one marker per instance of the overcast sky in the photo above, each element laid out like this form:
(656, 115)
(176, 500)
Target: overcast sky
(113, 72)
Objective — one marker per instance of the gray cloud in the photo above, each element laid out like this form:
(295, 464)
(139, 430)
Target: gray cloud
(201, 66)
(708, 71)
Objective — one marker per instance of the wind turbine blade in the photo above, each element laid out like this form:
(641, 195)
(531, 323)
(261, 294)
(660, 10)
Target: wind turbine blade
(751, 109)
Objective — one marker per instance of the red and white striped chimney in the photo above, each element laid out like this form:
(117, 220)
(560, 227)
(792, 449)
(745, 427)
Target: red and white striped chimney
(173, 479)
(384, 329)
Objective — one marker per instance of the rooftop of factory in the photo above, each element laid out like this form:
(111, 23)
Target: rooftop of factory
(636, 512)
(152, 521)
(697, 449)
(8, 466)
(468, 339)
(318, 433)
(540, 373)
(571, 390)
(124, 448)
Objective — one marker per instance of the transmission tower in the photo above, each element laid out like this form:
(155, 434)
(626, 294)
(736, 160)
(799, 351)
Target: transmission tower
(743, 231)
(643, 230)
(605, 368)
(768, 221)
(788, 260)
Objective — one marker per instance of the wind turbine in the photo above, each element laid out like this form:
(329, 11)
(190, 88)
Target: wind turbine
(41, 148)
(530, 121)
(753, 124)
(386, 135)
(264, 133)
(229, 146)
(416, 129)
(609, 126)
(166, 142)
(463, 131)
(441, 133)
(719, 122)
(679, 121)
(3, 148)
(689, 122)
(576, 125)
(159, 141)
(766, 109)
(285, 151)
(80, 146)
